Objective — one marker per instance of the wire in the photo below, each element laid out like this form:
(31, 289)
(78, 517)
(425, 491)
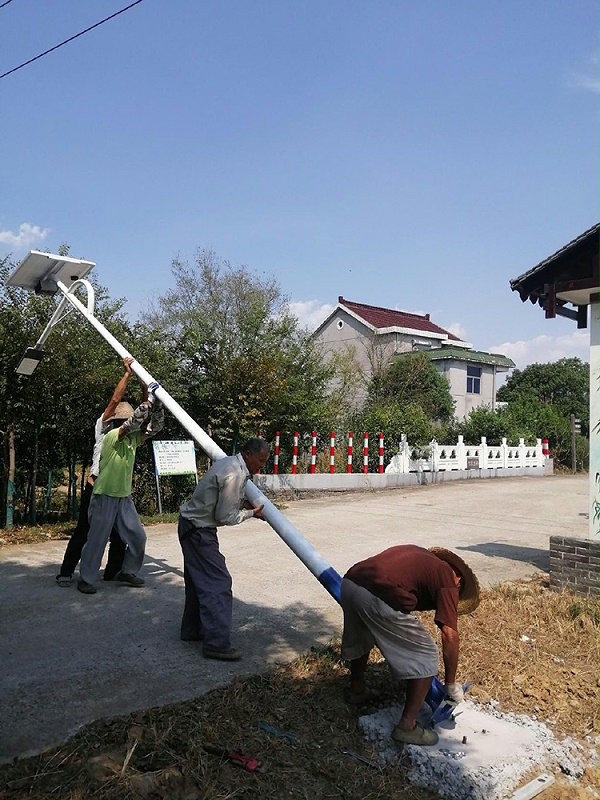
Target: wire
(70, 39)
(5, 4)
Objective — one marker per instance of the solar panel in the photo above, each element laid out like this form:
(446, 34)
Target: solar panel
(39, 272)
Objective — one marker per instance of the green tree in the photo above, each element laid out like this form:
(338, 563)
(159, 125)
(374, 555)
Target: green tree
(563, 384)
(244, 364)
(54, 410)
(411, 378)
(393, 420)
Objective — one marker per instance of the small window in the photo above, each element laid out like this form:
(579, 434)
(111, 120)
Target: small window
(340, 324)
(473, 380)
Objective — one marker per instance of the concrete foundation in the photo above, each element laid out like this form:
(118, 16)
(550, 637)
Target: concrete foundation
(481, 754)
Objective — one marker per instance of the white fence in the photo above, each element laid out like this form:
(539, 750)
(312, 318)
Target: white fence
(460, 456)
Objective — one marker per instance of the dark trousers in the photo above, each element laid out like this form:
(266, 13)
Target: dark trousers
(116, 551)
(208, 607)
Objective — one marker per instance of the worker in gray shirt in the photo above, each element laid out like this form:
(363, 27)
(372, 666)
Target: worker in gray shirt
(218, 499)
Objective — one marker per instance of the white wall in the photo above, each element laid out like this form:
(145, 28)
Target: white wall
(594, 417)
(456, 373)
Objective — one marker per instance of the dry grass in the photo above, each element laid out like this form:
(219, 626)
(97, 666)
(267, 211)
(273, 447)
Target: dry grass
(536, 652)
(553, 674)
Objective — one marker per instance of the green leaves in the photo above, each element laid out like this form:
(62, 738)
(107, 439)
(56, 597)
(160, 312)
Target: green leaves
(245, 364)
(412, 379)
(563, 385)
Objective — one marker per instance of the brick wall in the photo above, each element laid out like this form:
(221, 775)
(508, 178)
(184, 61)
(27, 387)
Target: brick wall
(574, 565)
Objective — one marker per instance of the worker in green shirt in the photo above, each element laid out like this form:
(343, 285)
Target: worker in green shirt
(111, 503)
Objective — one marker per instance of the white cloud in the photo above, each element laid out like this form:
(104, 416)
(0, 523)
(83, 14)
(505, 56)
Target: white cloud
(544, 349)
(590, 82)
(310, 313)
(458, 330)
(27, 236)
(588, 78)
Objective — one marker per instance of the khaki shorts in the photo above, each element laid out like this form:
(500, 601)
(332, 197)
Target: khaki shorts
(405, 644)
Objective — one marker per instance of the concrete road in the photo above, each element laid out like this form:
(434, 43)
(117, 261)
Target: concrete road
(67, 659)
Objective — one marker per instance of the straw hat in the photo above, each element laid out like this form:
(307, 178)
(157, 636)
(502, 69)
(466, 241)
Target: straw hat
(122, 411)
(468, 599)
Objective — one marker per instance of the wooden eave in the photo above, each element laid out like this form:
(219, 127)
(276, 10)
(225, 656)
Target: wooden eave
(568, 276)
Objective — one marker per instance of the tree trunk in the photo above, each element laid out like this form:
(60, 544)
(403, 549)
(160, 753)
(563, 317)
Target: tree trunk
(69, 486)
(10, 487)
(34, 469)
(74, 492)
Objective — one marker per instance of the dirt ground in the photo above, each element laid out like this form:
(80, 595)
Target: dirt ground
(532, 650)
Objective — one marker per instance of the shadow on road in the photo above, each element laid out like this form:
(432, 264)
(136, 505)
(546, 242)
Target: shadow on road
(69, 658)
(529, 555)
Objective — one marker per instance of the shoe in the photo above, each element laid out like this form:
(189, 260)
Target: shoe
(86, 588)
(129, 579)
(64, 580)
(422, 736)
(362, 698)
(222, 655)
(186, 637)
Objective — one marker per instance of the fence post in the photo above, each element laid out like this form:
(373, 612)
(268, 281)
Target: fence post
(380, 453)
(434, 456)
(539, 453)
(313, 453)
(350, 442)
(461, 458)
(295, 454)
(366, 453)
(504, 450)
(331, 453)
(404, 454)
(483, 458)
(276, 456)
(522, 452)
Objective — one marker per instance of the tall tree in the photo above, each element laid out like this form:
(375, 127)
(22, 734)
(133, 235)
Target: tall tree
(243, 362)
(563, 384)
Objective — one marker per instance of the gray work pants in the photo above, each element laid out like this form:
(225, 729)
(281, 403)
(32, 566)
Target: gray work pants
(104, 512)
(208, 607)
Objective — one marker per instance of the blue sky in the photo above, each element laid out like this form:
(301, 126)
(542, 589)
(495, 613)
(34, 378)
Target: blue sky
(413, 155)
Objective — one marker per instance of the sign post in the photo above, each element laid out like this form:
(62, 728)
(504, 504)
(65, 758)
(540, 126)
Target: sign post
(173, 458)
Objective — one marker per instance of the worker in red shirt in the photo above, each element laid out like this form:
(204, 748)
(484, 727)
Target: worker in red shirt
(378, 596)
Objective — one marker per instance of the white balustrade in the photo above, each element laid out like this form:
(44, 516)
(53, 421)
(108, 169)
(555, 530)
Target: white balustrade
(460, 456)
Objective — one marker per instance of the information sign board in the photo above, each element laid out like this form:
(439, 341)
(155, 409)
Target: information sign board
(174, 458)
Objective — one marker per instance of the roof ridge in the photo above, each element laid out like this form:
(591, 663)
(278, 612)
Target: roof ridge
(383, 308)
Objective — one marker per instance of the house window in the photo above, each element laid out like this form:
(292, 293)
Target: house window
(473, 380)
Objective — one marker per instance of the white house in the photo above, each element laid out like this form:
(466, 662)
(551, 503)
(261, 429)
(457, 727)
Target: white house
(376, 335)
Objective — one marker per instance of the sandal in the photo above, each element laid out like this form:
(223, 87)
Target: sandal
(360, 699)
(64, 580)
(421, 736)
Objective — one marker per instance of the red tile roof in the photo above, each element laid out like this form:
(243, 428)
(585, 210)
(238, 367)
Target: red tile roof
(389, 318)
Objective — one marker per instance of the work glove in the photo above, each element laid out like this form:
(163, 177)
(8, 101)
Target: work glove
(454, 692)
(136, 420)
(157, 420)
(152, 398)
(157, 414)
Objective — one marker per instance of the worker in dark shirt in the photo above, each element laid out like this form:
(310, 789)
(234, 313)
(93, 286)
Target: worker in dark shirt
(378, 596)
